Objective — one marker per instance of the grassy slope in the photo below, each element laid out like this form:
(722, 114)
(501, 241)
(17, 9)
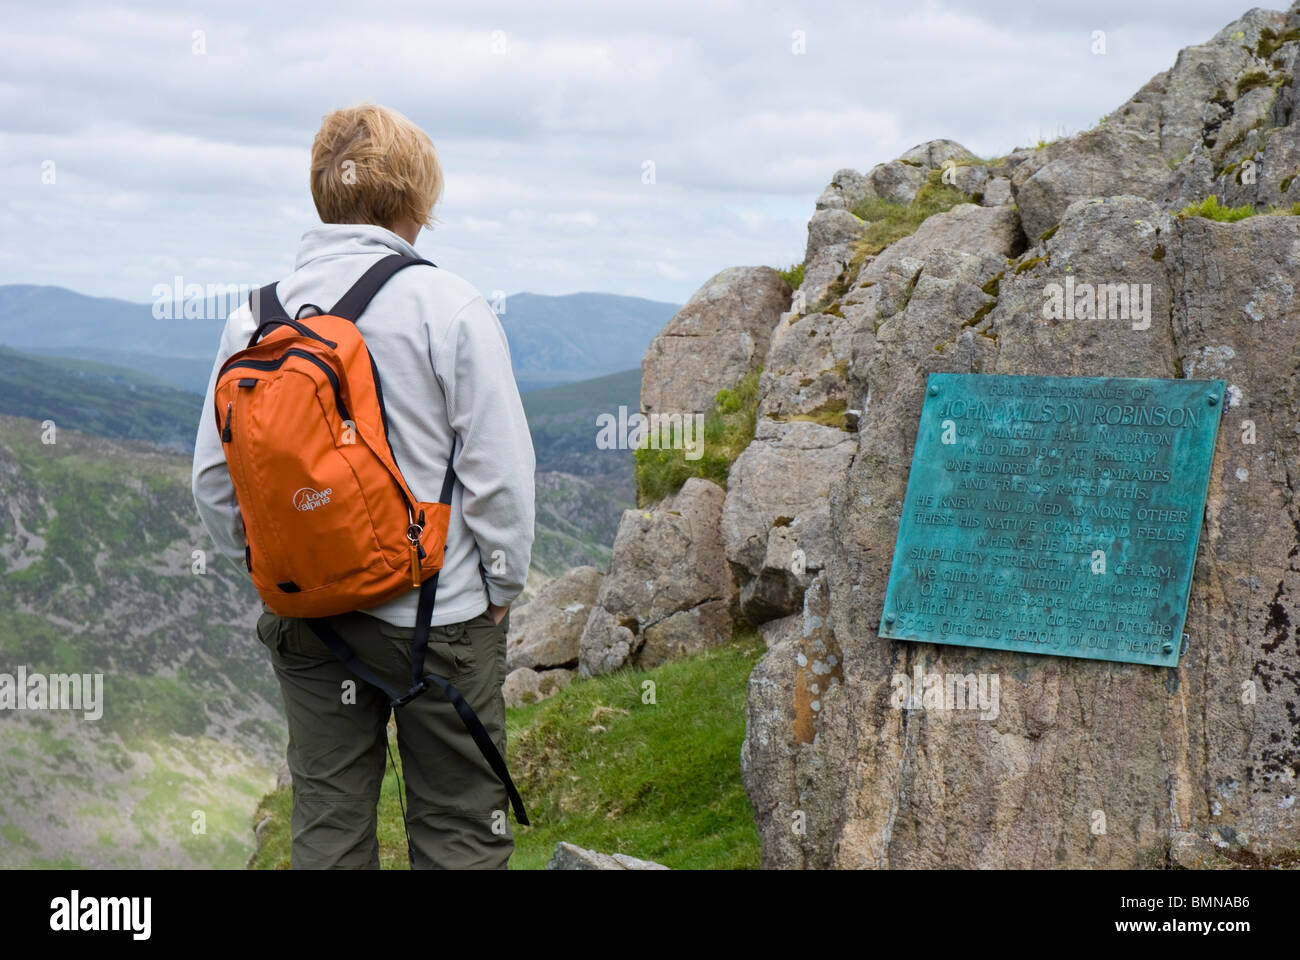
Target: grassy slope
(600, 768)
(97, 398)
(96, 547)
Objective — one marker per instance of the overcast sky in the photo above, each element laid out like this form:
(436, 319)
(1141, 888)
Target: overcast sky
(171, 162)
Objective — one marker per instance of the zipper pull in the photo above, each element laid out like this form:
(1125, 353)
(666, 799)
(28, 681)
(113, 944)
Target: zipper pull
(225, 431)
(413, 532)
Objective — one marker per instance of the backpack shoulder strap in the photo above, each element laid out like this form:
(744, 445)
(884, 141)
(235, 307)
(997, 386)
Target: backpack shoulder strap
(265, 304)
(360, 294)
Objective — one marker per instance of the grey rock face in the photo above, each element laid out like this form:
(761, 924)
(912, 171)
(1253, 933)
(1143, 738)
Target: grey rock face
(997, 191)
(821, 274)
(966, 228)
(669, 590)
(775, 523)
(545, 631)
(847, 189)
(1167, 758)
(720, 335)
(1219, 121)
(831, 227)
(1103, 162)
(787, 688)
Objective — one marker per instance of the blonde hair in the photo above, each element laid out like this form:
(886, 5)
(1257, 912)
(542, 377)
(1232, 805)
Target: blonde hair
(370, 164)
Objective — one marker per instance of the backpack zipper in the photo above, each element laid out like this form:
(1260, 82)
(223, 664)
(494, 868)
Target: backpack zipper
(225, 431)
(295, 352)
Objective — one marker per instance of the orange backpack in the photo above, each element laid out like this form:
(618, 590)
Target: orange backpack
(329, 521)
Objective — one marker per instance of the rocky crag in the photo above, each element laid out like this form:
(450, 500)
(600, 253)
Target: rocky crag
(1194, 766)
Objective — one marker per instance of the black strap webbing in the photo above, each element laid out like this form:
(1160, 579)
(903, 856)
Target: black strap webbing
(265, 304)
(420, 681)
(363, 291)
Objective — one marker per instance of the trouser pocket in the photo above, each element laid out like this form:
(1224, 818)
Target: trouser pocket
(451, 652)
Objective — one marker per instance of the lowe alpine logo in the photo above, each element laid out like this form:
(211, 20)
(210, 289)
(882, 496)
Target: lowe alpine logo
(309, 499)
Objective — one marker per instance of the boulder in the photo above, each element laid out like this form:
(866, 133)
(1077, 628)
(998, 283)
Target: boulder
(1102, 162)
(829, 227)
(897, 181)
(846, 190)
(546, 630)
(967, 228)
(524, 686)
(997, 191)
(933, 154)
(669, 590)
(569, 856)
(719, 336)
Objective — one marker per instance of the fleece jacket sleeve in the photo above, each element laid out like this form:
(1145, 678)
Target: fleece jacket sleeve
(494, 459)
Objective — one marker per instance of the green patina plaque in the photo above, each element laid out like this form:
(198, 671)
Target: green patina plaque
(1054, 515)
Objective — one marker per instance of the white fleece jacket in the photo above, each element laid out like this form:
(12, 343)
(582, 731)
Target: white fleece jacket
(445, 368)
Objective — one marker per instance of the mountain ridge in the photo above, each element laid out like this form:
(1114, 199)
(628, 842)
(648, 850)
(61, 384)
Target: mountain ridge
(553, 339)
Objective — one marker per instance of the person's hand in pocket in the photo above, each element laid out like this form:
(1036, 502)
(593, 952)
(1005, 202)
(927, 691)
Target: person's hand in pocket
(498, 613)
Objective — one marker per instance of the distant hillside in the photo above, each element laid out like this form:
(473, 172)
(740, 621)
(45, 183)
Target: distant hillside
(97, 541)
(98, 398)
(581, 490)
(97, 556)
(579, 335)
(563, 422)
(552, 339)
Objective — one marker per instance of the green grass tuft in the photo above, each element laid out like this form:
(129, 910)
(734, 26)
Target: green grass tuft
(889, 221)
(793, 276)
(1211, 209)
(1270, 40)
(1030, 264)
(1256, 78)
(728, 428)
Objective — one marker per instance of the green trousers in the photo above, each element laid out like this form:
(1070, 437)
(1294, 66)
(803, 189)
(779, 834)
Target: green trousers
(457, 812)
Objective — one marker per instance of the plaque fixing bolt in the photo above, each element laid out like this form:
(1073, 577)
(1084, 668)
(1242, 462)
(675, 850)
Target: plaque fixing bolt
(889, 618)
(1212, 399)
(1168, 646)
(934, 391)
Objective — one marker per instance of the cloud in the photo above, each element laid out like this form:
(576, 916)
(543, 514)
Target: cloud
(544, 116)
